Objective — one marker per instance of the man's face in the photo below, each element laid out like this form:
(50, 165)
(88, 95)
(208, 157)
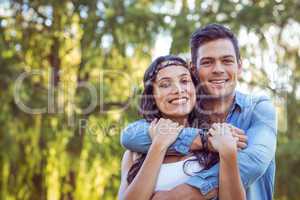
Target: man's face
(218, 68)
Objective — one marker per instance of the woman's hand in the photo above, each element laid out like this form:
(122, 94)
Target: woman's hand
(221, 138)
(239, 135)
(164, 132)
(224, 141)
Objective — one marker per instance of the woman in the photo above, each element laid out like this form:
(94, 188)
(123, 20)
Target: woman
(167, 102)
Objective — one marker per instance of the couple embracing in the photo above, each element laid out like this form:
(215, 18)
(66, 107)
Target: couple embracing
(199, 137)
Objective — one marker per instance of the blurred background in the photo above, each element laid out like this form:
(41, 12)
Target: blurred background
(71, 74)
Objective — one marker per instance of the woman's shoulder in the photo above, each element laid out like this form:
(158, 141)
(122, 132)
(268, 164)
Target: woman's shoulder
(127, 159)
(130, 157)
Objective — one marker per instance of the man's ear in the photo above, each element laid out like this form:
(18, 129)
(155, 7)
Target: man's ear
(239, 72)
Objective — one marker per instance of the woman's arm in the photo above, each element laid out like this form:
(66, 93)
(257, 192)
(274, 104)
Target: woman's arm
(230, 186)
(127, 162)
(143, 185)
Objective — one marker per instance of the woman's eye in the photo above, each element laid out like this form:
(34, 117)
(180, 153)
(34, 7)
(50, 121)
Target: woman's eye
(185, 81)
(164, 85)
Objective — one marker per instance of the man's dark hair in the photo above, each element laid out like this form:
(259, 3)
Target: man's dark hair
(209, 33)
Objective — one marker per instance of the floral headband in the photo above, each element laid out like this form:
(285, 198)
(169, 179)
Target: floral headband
(167, 63)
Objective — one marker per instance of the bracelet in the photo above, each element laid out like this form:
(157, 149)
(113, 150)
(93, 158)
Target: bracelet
(204, 138)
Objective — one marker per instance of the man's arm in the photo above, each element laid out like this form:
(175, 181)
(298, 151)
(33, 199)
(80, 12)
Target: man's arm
(185, 192)
(255, 159)
(135, 137)
(189, 193)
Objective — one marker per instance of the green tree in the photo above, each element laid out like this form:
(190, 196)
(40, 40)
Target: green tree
(83, 62)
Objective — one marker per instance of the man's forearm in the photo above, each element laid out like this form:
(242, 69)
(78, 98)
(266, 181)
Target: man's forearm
(197, 143)
(183, 191)
(136, 138)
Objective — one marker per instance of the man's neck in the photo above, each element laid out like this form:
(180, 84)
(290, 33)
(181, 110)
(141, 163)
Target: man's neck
(218, 108)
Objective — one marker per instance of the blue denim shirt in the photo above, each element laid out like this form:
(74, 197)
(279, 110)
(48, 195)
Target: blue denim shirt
(257, 117)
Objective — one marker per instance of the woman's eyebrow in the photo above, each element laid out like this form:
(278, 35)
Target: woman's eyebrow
(163, 78)
(169, 78)
(184, 74)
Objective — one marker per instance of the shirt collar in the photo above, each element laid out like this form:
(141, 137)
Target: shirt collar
(237, 102)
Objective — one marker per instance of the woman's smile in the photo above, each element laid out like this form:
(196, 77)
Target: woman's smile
(179, 100)
(174, 91)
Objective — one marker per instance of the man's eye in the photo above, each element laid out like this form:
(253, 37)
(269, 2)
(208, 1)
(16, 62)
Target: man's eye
(206, 63)
(228, 61)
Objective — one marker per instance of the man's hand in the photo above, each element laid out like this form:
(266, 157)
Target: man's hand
(182, 191)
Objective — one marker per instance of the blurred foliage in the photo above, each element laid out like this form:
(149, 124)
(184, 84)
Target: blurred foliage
(82, 63)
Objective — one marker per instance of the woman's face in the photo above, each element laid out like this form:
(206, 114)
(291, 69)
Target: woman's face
(174, 91)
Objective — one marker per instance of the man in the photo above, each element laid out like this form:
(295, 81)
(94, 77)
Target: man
(216, 57)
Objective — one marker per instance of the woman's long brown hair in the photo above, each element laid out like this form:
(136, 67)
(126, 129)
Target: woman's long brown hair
(149, 111)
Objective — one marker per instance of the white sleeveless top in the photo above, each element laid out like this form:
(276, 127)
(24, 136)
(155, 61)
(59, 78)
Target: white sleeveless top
(173, 174)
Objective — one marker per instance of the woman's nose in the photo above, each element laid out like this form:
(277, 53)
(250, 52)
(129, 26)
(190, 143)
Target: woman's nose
(178, 88)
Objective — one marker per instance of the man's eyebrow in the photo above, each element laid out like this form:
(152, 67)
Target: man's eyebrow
(206, 58)
(211, 58)
(228, 56)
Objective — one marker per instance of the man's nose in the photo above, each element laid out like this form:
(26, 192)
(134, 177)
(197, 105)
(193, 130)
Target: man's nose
(218, 68)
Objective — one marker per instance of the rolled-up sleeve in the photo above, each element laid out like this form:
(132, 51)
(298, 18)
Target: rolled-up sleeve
(255, 159)
(135, 137)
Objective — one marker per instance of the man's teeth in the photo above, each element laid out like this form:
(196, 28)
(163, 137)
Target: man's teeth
(179, 101)
(218, 81)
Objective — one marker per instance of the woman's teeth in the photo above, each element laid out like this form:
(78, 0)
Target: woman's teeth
(179, 101)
